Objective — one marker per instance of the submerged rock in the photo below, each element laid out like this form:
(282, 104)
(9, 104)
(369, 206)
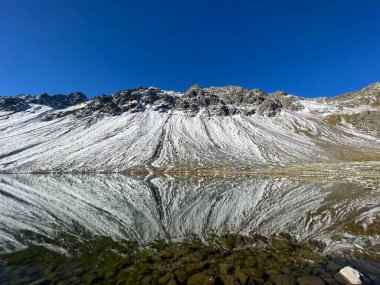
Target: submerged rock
(285, 280)
(200, 279)
(310, 280)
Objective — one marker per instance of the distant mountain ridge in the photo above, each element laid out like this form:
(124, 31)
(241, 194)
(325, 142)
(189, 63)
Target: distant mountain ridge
(220, 101)
(23, 102)
(208, 127)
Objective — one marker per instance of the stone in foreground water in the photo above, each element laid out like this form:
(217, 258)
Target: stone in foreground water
(310, 280)
(349, 276)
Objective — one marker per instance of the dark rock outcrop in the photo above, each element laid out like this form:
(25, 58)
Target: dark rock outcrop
(218, 101)
(212, 101)
(23, 102)
(15, 104)
(58, 101)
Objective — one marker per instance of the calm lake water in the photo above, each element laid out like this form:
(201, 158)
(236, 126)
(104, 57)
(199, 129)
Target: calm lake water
(37, 209)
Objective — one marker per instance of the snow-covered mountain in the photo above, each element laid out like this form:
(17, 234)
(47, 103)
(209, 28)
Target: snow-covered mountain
(203, 127)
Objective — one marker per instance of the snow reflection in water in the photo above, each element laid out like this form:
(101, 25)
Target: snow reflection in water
(126, 207)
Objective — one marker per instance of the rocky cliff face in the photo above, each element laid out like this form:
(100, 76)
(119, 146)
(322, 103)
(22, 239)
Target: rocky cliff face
(218, 101)
(203, 127)
(24, 102)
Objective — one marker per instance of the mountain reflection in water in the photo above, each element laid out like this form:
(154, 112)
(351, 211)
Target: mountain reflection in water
(123, 207)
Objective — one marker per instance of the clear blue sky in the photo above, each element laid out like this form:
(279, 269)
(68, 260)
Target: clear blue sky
(309, 48)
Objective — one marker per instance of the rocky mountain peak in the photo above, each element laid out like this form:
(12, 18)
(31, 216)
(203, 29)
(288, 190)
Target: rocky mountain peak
(210, 101)
(15, 104)
(375, 87)
(195, 90)
(279, 93)
(58, 101)
(369, 95)
(372, 92)
(218, 101)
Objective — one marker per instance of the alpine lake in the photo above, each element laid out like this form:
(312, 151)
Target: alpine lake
(186, 227)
